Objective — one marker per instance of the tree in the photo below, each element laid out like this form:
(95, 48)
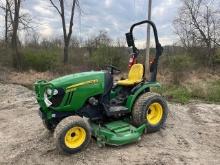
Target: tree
(106, 52)
(32, 40)
(197, 25)
(74, 42)
(12, 18)
(14, 21)
(14, 38)
(5, 8)
(66, 35)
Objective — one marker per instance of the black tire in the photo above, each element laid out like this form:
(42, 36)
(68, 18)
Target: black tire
(141, 110)
(64, 126)
(50, 127)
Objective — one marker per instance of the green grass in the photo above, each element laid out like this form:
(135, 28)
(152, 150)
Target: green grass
(175, 93)
(214, 91)
(183, 95)
(211, 93)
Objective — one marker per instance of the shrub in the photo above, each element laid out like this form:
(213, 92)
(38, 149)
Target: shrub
(105, 55)
(5, 56)
(40, 60)
(179, 64)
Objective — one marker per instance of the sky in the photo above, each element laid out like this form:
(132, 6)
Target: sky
(113, 16)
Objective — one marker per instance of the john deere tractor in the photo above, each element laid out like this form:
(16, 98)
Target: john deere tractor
(79, 106)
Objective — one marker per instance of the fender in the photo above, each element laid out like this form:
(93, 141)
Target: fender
(132, 98)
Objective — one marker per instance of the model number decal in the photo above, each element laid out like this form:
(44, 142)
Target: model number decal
(73, 87)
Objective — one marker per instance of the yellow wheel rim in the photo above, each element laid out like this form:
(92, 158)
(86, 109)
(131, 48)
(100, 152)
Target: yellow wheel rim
(75, 137)
(154, 113)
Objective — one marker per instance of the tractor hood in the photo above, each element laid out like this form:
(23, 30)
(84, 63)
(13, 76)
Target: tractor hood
(77, 79)
(69, 92)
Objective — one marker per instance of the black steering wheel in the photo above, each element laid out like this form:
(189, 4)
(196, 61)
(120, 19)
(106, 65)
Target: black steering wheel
(113, 68)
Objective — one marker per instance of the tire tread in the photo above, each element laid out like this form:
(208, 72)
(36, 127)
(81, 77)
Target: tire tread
(65, 124)
(138, 112)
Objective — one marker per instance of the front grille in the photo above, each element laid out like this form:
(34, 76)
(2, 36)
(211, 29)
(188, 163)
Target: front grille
(69, 98)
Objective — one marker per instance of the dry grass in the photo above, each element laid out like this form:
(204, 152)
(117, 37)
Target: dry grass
(200, 84)
(26, 78)
(194, 85)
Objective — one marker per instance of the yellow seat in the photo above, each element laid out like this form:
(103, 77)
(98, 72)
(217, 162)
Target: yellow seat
(135, 75)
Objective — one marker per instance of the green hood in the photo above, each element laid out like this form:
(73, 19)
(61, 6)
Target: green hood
(72, 79)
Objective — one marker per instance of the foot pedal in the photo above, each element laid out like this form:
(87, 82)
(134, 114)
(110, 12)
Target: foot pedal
(117, 111)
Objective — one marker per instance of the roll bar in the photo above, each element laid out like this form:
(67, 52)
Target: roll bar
(159, 49)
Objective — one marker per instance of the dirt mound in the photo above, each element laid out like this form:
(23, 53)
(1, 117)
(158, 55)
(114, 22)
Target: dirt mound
(191, 136)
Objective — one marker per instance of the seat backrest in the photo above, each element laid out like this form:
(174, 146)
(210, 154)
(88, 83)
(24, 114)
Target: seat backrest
(136, 72)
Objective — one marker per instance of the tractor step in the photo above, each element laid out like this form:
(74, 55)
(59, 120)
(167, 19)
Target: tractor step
(117, 111)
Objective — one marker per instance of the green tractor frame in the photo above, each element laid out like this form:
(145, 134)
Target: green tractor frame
(79, 106)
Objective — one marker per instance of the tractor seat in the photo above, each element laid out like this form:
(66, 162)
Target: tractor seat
(135, 76)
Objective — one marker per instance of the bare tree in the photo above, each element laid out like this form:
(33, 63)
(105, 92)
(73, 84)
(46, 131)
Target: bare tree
(60, 8)
(14, 21)
(32, 39)
(197, 24)
(12, 17)
(5, 8)
(97, 41)
(75, 42)
(57, 42)
(14, 38)
(6, 23)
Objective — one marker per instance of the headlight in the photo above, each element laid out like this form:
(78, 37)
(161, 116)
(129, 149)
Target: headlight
(49, 92)
(53, 97)
(47, 101)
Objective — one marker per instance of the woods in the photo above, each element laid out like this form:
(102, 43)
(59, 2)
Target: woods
(197, 25)
(14, 21)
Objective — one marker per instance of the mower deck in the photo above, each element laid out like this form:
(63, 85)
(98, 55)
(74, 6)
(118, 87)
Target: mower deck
(116, 133)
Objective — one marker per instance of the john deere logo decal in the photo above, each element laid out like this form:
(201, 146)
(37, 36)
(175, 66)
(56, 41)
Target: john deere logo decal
(73, 87)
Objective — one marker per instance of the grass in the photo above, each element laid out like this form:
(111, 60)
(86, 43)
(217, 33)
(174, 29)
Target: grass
(214, 92)
(175, 93)
(202, 89)
(46, 63)
(210, 92)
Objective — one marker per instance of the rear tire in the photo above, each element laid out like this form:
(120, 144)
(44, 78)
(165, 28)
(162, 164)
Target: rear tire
(150, 109)
(72, 135)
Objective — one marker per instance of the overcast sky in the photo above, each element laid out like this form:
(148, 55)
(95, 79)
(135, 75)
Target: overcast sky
(113, 16)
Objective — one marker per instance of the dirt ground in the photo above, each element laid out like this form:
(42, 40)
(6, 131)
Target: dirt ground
(191, 136)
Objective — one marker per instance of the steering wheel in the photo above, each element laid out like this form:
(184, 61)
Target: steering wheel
(113, 68)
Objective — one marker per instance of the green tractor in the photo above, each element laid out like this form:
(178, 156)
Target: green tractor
(79, 106)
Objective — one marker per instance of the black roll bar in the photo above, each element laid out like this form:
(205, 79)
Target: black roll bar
(159, 48)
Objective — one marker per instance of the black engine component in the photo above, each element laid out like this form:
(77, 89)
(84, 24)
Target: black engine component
(93, 101)
(57, 99)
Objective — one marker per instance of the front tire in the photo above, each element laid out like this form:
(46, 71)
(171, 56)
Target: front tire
(150, 109)
(72, 135)
(50, 127)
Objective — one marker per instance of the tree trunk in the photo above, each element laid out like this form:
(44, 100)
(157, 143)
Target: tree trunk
(65, 53)
(6, 24)
(66, 36)
(15, 54)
